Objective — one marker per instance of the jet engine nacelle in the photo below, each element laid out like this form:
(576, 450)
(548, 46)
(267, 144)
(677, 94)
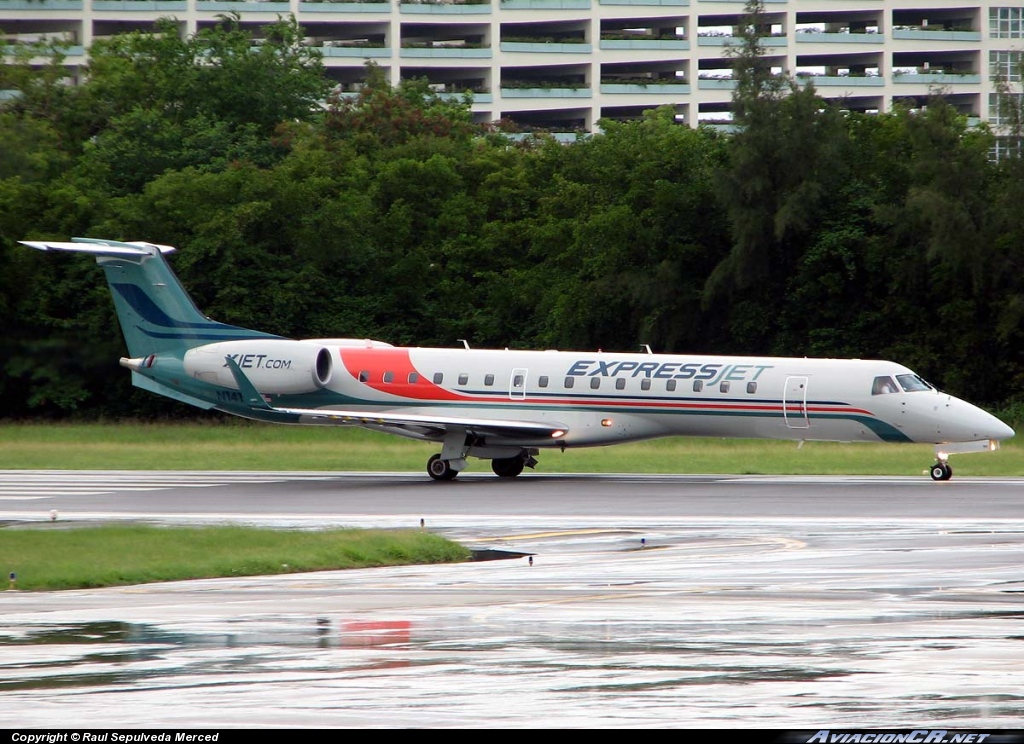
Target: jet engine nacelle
(273, 366)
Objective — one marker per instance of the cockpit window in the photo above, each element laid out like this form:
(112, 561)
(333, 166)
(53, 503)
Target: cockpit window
(884, 385)
(913, 383)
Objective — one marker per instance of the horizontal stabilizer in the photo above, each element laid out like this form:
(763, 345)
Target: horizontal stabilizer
(144, 383)
(99, 247)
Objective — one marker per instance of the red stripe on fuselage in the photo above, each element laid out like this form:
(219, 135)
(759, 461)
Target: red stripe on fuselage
(375, 362)
(711, 406)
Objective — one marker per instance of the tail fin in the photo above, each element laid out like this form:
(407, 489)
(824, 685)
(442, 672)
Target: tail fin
(156, 313)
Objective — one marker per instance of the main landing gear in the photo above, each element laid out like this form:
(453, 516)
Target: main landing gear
(439, 469)
(504, 467)
(508, 467)
(941, 471)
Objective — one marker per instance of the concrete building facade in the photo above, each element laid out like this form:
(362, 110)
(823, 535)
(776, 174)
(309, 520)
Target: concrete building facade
(563, 65)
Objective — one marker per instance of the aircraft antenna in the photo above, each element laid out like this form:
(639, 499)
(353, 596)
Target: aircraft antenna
(647, 347)
(464, 342)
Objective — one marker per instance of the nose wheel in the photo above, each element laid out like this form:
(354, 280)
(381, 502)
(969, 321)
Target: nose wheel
(941, 471)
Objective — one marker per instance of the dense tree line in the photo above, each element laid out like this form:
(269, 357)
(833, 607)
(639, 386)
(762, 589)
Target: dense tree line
(808, 232)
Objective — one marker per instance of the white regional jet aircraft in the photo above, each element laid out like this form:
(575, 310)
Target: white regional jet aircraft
(505, 406)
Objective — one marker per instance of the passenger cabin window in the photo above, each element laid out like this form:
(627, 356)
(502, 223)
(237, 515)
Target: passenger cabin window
(883, 385)
(488, 380)
(438, 378)
(913, 383)
(570, 381)
(542, 381)
(389, 377)
(751, 387)
(670, 385)
(463, 379)
(724, 387)
(517, 381)
(698, 385)
(620, 384)
(645, 384)
(413, 378)
(364, 376)
(595, 383)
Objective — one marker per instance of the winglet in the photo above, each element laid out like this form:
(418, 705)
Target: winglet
(249, 392)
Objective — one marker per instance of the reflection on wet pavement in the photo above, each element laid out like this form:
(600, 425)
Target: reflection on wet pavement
(728, 623)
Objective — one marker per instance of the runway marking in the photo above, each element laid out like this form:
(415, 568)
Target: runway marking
(562, 533)
(79, 490)
(34, 485)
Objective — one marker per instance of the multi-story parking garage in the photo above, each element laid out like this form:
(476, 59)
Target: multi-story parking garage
(564, 64)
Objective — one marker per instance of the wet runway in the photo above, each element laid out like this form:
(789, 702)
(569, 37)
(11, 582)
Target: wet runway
(653, 602)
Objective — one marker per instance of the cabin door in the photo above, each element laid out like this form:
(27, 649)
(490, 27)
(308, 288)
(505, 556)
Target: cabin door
(517, 384)
(794, 403)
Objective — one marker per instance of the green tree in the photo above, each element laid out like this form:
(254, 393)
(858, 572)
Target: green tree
(163, 103)
(625, 232)
(1004, 238)
(384, 116)
(932, 226)
(38, 91)
(218, 74)
(784, 168)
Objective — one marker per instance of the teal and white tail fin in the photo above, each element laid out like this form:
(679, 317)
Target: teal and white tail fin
(156, 313)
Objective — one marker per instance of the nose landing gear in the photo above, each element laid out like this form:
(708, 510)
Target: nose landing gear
(941, 471)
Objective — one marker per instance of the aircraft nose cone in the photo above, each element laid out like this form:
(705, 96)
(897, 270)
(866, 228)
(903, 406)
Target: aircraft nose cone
(976, 423)
(1002, 431)
(992, 427)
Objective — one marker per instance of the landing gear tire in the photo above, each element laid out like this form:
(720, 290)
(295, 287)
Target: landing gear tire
(507, 467)
(439, 469)
(941, 471)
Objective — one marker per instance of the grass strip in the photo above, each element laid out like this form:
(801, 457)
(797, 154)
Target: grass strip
(55, 556)
(241, 445)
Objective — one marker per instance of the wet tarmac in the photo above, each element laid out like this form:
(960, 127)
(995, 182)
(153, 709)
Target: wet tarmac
(660, 602)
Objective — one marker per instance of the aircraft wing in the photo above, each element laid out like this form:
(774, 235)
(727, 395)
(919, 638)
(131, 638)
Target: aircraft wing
(415, 424)
(429, 425)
